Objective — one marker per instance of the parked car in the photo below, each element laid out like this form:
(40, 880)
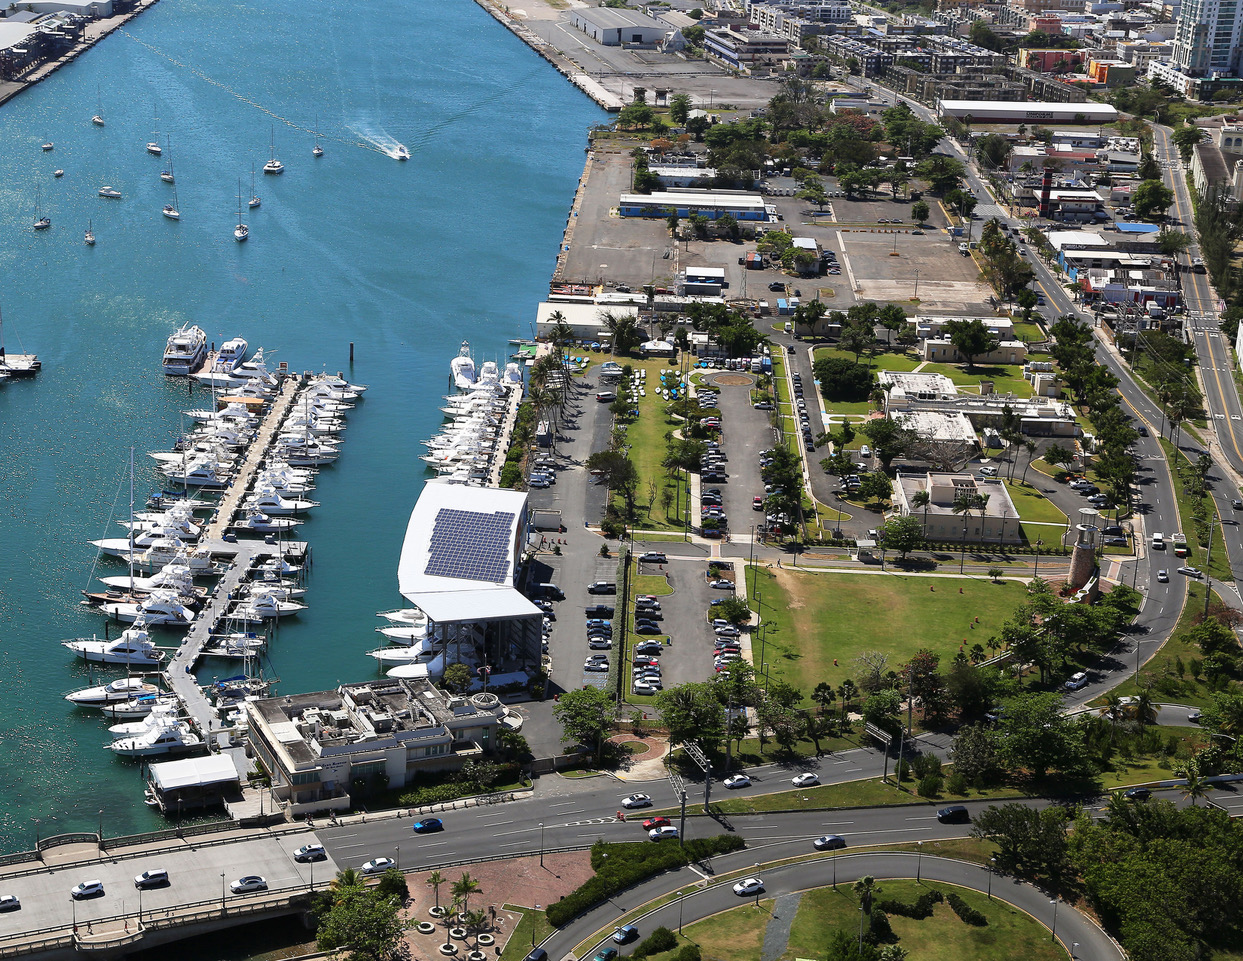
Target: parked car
(722, 585)
(598, 667)
(647, 627)
(653, 557)
(9, 902)
(602, 587)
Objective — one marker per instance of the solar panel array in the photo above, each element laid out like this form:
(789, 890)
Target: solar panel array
(470, 545)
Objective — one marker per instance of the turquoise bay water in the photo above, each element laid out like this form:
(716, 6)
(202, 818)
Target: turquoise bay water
(405, 260)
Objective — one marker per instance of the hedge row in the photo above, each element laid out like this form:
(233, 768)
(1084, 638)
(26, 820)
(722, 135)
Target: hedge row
(966, 912)
(619, 866)
(662, 939)
(922, 908)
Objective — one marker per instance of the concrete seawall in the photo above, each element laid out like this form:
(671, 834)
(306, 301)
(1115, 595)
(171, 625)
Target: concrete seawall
(564, 66)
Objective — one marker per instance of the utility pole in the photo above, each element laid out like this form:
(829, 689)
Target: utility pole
(1208, 559)
(682, 819)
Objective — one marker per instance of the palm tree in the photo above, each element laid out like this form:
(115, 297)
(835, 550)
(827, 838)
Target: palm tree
(1112, 710)
(450, 918)
(344, 881)
(434, 881)
(963, 504)
(922, 499)
(1145, 708)
(1030, 447)
(1196, 786)
(463, 888)
(865, 887)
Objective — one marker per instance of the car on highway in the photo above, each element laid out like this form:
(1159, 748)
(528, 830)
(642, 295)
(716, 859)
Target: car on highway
(86, 889)
(748, 886)
(806, 780)
(428, 826)
(653, 557)
(152, 878)
(1137, 794)
(954, 814)
(656, 822)
(1163, 576)
(737, 781)
(1191, 571)
(1077, 681)
(626, 933)
(662, 833)
(310, 852)
(9, 902)
(1194, 717)
(828, 842)
(377, 866)
(248, 883)
(637, 801)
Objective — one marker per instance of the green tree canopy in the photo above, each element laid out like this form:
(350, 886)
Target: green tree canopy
(585, 715)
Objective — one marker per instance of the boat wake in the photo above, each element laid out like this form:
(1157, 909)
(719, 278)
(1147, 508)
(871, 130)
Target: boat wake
(381, 140)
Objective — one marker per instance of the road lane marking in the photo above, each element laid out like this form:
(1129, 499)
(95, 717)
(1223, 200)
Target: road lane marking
(358, 845)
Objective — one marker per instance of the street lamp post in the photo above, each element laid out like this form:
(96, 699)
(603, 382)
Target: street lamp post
(312, 874)
(533, 928)
(541, 844)
(1053, 934)
(757, 890)
(919, 863)
(992, 867)
(963, 563)
(916, 297)
(681, 906)
(222, 908)
(101, 829)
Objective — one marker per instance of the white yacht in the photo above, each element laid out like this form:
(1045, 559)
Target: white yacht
(114, 692)
(156, 717)
(205, 472)
(264, 607)
(163, 608)
(185, 350)
(273, 166)
(270, 502)
(137, 542)
(405, 616)
(260, 522)
(236, 646)
(406, 634)
(133, 648)
(513, 375)
(415, 654)
(174, 737)
(462, 368)
(173, 576)
(232, 354)
(111, 193)
(140, 706)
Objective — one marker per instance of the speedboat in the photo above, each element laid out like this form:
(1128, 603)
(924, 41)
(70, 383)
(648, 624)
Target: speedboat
(114, 692)
(233, 413)
(133, 648)
(48, 146)
(232, 353)
(162, 608)
(462, 367)
(185, 350)
(416, 654)
(170, 738)
(169, 549)
(261, 522)
(400, 152)
(263, 607)
(205, 472)
(404, 635)
(406, 616)
(110, 192)
(140, 706)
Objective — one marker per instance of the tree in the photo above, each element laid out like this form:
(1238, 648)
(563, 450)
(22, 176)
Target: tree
(463, 888)
(617, 472)
(636, 115)
(362, 920)
(680, 108)
(692, 712)
(870, 666)
(434, 881)
(809, 315)
(813, 192)
(1185, 139)
(627, 334)
(974, 754)
(1035, 736)
(875, 486)
(920, 212)
(1173, 242)
(842, 380)
(734, 610)
(1030, 842)
(1149, 168)
(456, 678)
(586, 716)
(971, 338)
(902, 534)
(1151, 197)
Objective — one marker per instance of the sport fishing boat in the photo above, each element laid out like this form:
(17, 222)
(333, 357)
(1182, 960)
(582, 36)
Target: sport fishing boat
(134, 648)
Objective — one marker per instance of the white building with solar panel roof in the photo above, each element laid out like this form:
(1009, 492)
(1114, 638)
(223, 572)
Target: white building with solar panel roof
(460, 564)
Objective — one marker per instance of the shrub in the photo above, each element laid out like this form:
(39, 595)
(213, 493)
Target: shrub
(879, 931)
(628, 864)
(929, 786)
(393, 884)
(511, 475)
(965, 912)
(926, 764)
(922, 908)
(662, 939)
(689, 952)
(956, 784)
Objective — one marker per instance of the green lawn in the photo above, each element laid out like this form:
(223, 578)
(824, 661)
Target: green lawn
(533, 927)
(883, 361)
(1006, 378)
(1010, 933)
(1033, 506)
(1219, 566)
(738, 933)
(1028, 332)
(646, 437)
(813, 619)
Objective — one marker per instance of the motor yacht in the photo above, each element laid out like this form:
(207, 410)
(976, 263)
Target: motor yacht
(205, 472)
(270, 502)
(176, 575)
(114, 692)
(133, 648)
(140, 706)
(137, 542)
(404, 635)
(405, 616)
(462, 368)
(260, 607)
(232, 354)
(260, 522)
(238, 645)
(163, 609)
(111, 193)
(338, 383)
(415, 654)
(169, 549)
(173, 737)
(185, 350)
(156, 717)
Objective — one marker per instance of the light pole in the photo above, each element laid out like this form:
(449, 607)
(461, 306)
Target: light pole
(312, 874)
(140, 907)
(101, 829)
(397, 855)
(916, 297)
(533, 928)
(681, 905)
(963, 563)
(1039, 542)
(222, 909)
(992, 867)
(1053, 935)
(919, 863)
(541, 844)
(757, 890)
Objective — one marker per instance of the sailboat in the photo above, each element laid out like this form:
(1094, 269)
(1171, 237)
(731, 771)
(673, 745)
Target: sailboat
(254, 197)
(48, 146)
(89, 239)
(98, 119)
(273, 166)
(170, 210)
(241, 232)
(41, 222)
(153, 146)
(167, 175)
(317, 150)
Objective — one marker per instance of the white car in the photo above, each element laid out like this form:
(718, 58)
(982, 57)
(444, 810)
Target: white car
(1077, 681)
(748, 886)
(252, 882)
(637, 801)
(737, 781)
(665, 831)
(377, 866)
(806, 780)
(86, 889)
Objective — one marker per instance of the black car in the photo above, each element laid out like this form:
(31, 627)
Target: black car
(647, 627)
(954, 814)
(776, 285)
(599, 610)
(1137, 794)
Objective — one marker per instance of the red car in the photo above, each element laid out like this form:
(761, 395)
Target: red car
(651, 823)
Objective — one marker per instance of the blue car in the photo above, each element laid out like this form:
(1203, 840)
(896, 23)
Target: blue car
(428, 825)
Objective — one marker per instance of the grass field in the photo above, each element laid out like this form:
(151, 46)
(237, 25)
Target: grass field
(734, 934)
(813, 619)
(943, 937)
(1006, 378)
(1033, 506)
(646, 437)
(533, 927)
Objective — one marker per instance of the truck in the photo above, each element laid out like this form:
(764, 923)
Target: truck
(543, 520)
(1180, 545)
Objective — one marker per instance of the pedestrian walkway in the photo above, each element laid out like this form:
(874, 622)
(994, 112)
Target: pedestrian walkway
(777, 934)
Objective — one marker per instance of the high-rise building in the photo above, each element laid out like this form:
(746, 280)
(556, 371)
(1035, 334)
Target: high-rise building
(1206, 41)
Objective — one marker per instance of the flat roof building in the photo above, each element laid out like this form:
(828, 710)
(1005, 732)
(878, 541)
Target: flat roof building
(1002, 111)
(995, 521)
(614, 26)
(740, 206)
